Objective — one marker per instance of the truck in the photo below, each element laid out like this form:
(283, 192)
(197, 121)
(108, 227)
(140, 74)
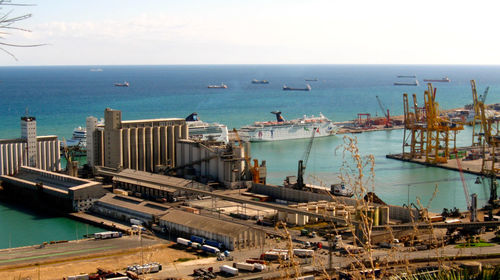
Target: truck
(197, 239)
(183, 241)
(244, 266)
(303, 253)
(226, 269)
(210, 249)
(259, 267)
(214, 243)
(195, 245)
(145, 268)
(107, 234)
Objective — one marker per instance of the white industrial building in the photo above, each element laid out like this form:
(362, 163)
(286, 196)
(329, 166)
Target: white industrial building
(232, 235)
(41, 152)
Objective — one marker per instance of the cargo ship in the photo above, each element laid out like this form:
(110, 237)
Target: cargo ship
(307, 88)
(311, 79)
(222, 85)
(254, 81)
(414, 83)
(124, 84)
(282, 129)
(407, 76)
(200, 130)
(443, 80)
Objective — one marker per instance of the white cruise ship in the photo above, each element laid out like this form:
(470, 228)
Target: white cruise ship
(282, 129)
(79, 137)
(200, 130)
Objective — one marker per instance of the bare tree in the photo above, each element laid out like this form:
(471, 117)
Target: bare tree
(8, 25)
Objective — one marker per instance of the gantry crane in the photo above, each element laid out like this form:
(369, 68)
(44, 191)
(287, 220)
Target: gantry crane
(385, 112)
(426, 131)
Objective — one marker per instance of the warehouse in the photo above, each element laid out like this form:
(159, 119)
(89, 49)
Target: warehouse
(155, 186)
(233, 236)
(58, 190)
(125, 208)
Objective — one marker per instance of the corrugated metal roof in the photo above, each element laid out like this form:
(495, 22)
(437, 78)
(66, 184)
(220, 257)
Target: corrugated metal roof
(133, 203)
(204, 223)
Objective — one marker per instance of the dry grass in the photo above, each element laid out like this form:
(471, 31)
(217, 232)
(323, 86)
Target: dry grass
(113, 261)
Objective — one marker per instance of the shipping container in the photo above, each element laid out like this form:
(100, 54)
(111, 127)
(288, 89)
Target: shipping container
(228, 270)
(136, 222)
(210, 249)
(145, 268)
(197, 239)
(255, 261)
(306, 277)
(183, 241)
(244, 266)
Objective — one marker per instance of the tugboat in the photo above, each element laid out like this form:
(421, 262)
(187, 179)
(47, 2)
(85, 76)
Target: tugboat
(124, 84)
(307, 88)
(222, 85)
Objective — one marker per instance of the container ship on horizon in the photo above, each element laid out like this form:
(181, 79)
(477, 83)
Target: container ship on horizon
(282, 129)
(443, 80)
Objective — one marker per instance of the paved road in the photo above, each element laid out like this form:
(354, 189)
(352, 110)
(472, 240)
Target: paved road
(32, 254)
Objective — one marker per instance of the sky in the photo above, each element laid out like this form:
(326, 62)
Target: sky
(156, 32)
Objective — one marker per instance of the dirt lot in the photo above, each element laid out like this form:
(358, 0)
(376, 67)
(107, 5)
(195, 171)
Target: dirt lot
(113, 260)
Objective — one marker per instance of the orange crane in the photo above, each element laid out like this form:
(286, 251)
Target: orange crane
(387, 115)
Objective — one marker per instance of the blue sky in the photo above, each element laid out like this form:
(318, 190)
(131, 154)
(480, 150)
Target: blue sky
(112, 32)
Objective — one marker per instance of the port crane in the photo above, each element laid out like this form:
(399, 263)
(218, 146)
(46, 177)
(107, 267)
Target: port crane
(385, 112)
(471, 205)
(303, 162)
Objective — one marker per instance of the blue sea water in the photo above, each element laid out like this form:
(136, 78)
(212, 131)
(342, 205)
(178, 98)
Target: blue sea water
(62, 97)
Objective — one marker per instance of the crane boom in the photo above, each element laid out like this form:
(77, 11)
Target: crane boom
(381, 106)
(485, 93)
(464, 183)
(303, 161)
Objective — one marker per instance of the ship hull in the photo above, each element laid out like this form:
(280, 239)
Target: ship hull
(287, 132)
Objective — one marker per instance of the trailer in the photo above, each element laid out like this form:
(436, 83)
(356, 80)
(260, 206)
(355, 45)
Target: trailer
(107, 234)
(214, 243)
(78, 277)
(145, 268)
(183, 241)
(226, 269)
(197, 239)
(274, 256)
(136, 222)
(244, 266)
(303, 252)
(210, 249)
(195, 245)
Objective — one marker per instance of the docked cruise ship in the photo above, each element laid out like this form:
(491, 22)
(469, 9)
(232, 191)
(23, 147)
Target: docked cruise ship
(200, 130)
(282, 129)
(79, 137)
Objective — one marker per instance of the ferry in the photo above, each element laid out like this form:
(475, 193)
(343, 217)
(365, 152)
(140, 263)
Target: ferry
(307, 88)
(222, 85)
(282, 129)
(200, 130)
(254, 81)
(443, 80)
(414, 83)
(124, 84)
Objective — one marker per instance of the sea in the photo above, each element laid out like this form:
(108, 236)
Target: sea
(61, 97)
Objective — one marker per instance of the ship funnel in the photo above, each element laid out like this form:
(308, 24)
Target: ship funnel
(279, 117)
(192, 118)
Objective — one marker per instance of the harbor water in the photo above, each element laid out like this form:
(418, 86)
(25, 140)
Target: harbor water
(62, 97)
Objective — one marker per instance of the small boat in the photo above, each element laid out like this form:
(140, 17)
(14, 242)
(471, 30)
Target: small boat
(254, 81)
(407, 76)
(443, 80)
(414, 83)
(307, 88)
(311, 80)
(124, 84)
(222, 85)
